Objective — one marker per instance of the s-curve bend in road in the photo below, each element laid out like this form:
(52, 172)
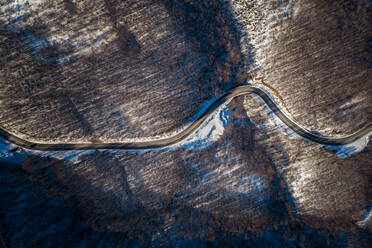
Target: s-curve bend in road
(159, 143)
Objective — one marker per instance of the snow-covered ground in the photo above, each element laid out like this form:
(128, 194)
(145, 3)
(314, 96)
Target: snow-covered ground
(348, 150)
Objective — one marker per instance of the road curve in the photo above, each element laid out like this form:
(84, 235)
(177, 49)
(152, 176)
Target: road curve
(232, 93)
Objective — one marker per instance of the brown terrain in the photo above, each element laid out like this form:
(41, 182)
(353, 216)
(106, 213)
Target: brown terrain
(112, 69)
(140, 68)
(316, 55)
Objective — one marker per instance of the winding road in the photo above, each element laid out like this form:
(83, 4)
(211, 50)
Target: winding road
(158, 143)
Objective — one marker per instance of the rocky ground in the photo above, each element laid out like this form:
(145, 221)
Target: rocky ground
(104, 69)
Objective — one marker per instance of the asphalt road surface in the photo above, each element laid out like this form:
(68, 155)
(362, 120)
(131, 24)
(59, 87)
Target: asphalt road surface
(158, 143)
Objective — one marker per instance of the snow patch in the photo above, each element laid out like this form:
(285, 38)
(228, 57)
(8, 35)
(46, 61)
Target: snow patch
(10, 153)
(348, 150)
(366, 222)
(209, 132)
(352, 102)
